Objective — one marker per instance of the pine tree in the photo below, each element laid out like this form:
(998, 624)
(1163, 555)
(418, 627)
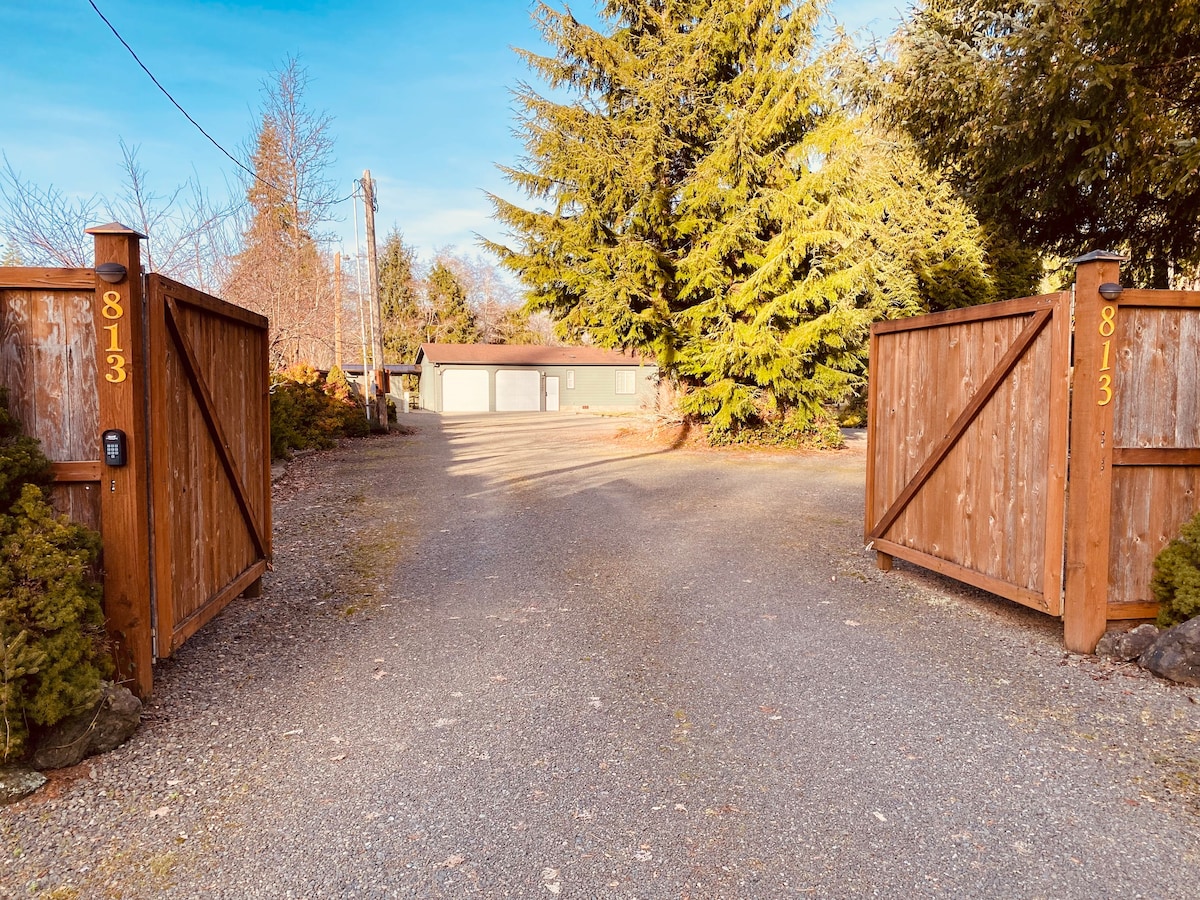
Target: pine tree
(448, 317)
(281, 271)
(1073, 125)
(11, 256)
(515, 325)
(399, 301)
(707, 199)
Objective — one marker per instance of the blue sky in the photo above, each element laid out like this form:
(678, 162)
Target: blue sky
(419, 94)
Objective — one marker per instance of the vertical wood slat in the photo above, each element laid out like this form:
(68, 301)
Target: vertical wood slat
(1057, 454)
(164, 467)
(875, 375)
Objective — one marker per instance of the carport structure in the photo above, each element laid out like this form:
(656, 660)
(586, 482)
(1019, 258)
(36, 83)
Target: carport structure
(531, 378)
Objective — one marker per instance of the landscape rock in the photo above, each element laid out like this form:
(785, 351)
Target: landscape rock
(1176, 654)
(104, 727)
(1127, 645)
(17, 782)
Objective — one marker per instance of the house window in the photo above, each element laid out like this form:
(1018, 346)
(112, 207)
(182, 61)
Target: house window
(626, 381)
(570, 379)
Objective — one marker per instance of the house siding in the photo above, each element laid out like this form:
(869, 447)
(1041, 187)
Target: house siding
(594, 385)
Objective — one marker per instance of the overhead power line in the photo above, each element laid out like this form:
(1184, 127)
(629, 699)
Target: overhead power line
(237, 162)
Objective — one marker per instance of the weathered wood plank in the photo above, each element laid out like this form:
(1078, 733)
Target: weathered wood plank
(78, 501)
(32, 278)
(76, 471)
(83, 408)
(1160, 299)
(16, 357)
(51, 347)
(1118, 612)
(1156, 456)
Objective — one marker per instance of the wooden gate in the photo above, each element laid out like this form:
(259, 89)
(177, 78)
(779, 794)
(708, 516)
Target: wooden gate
(968, 435)
(1042, 461)
(185, 517)
(210, 459)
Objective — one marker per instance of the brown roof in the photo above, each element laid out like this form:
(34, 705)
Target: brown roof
(524, 355)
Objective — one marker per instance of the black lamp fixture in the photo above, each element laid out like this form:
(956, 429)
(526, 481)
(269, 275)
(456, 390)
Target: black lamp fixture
(111, 272)
(1110, 290)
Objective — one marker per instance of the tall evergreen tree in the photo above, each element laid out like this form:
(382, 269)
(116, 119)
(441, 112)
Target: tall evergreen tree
(399, 301)
(1074, 124)
(705, 199)
(448, 316)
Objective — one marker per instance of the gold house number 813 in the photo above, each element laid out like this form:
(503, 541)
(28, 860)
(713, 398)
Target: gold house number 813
(116, 361)
(1108, 324)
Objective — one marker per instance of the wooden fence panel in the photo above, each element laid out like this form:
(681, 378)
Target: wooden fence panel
(210, 393)
(966, 459)
(1156, 437)
(48, 362)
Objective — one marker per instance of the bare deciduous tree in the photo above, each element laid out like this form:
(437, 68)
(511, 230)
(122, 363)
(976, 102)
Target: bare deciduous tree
(189, 236)
(45, 226)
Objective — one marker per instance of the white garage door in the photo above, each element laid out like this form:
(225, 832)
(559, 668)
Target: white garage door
(465, 390)
(518, 390)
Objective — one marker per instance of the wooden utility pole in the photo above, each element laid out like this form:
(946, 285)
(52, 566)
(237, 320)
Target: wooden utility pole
(337, 310)
(373, 276)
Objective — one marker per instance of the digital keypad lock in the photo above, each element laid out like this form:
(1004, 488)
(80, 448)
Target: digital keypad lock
(115, 450)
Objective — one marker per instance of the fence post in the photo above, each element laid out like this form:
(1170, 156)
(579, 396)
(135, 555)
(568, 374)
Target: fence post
(119, 316)
(1089, 477)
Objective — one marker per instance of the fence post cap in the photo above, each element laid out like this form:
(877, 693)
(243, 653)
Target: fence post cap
(1099, 256)
(114, 228)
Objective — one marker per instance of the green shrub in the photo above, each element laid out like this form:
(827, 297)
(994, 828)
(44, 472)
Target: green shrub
(791, 433)
(1176, 581)
(52, 645)
(310, 411)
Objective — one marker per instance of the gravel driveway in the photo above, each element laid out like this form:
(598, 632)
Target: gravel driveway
(519, 656)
